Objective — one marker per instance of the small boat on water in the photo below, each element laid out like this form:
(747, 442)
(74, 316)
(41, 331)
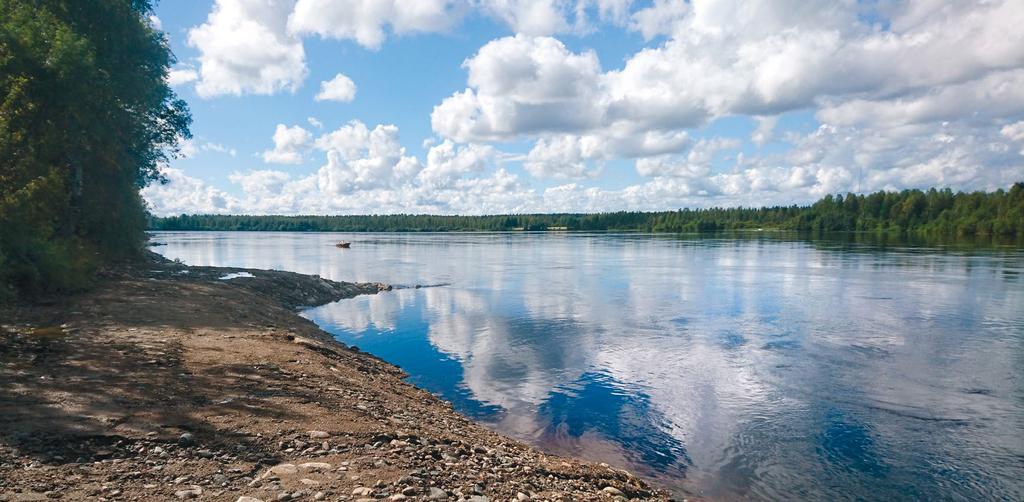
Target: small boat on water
(343, 245)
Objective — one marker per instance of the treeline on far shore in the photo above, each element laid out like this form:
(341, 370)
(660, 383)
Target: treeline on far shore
(933, 212)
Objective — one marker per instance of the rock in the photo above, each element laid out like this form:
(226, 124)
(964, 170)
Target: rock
(191, 493)
(520, 496)
(309, 482)
(362, 491)
(436, 494)
(248, 499)
(479, 498)
(398, 496)
(186, 439)
(613, 491)
(319, 496)
(283, 496)
(281, 470)
(319, 434)
(315, 466)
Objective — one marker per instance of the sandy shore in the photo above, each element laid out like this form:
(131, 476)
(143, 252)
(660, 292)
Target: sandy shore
(167, 383)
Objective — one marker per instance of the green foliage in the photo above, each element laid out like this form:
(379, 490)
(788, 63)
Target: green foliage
(935, 212)
(86, 117)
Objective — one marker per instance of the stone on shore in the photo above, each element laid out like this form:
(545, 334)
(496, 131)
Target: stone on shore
(191, 493)
(613, 491)
(315, 466)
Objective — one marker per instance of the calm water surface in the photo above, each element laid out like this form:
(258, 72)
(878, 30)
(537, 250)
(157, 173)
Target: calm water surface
(757, 368)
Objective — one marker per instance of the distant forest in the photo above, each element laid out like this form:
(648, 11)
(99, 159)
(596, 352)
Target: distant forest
(934, 212)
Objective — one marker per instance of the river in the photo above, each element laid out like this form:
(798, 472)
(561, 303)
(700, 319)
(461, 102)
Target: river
(759, 367)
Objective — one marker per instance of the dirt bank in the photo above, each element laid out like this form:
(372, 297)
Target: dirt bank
(167, 382)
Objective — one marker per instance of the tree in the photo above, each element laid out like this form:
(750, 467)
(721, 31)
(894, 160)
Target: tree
(86, 118)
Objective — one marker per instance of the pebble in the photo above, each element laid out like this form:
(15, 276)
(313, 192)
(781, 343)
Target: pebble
(315, 466)
(248, 499)
(362, 490)
(186, 439)
(281, 470)
(613, 491)
(191, 493)
(522, 497)
(319, 434)
(437, 494)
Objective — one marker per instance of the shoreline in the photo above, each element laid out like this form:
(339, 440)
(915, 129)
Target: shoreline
(165, 382)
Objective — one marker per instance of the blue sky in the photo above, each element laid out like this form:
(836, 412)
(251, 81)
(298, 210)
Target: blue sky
(483, 106)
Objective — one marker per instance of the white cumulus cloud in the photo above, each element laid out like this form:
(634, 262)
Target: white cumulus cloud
(289, 144)
(523, 86)
(696, 164)
(366, 21)
(340, 88)
(448, 162)
(183, 194)
(245, 48)
(181, 75)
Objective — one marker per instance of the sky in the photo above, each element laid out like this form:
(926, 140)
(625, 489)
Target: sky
(513, 106)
